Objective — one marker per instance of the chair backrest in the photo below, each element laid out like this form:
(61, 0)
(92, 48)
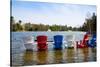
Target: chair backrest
(28, 39)
(94, 36)
(92, 41)
(58, 38)
(86, 37)
(70, 38)
(41, 38)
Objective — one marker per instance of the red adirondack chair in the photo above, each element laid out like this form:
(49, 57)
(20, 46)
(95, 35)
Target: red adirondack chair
(42, 42)
(83, 43)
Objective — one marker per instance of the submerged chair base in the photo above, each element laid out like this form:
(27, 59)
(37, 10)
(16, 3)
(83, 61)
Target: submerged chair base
(29, 49)
(55, 48)
(42, 49)
(93, 46)
(69, 47)
(81, 45)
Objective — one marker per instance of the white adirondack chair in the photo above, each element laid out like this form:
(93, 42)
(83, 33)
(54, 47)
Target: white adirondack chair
(70, 41)
(28, 42)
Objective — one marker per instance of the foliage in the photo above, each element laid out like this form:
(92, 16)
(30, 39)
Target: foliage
(89, 25)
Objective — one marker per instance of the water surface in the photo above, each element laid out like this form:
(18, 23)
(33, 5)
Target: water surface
(21, 57)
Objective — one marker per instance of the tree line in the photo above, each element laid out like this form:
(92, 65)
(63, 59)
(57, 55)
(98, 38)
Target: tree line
(89, 25)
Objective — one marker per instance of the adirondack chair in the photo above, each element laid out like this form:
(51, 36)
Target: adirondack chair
(58, 41)
(92, 41)
(70, 41)
(42, 42)
(28, 42)
(83, 43)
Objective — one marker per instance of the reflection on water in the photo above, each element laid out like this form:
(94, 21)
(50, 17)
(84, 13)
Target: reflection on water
(29, 58)
(69, 55)
(20, 57)
(92, 54)
(82, 54)
(42, 57)
(85, 53)
(54, 56)
(58, 56)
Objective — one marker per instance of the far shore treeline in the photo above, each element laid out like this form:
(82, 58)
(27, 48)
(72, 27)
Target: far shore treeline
(88, 26)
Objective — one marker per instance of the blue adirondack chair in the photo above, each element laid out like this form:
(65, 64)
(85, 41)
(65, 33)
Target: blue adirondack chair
(58, 41)
(92, 41)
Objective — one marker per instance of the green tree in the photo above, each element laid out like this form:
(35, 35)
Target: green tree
(90, 24)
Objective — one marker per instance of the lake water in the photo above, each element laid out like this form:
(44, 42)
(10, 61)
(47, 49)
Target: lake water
(21, 57)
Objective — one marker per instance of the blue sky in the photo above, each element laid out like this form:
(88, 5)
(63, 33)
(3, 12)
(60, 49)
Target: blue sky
(51, 13)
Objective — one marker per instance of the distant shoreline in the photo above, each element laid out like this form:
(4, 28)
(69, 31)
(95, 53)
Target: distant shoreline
(47, 31)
